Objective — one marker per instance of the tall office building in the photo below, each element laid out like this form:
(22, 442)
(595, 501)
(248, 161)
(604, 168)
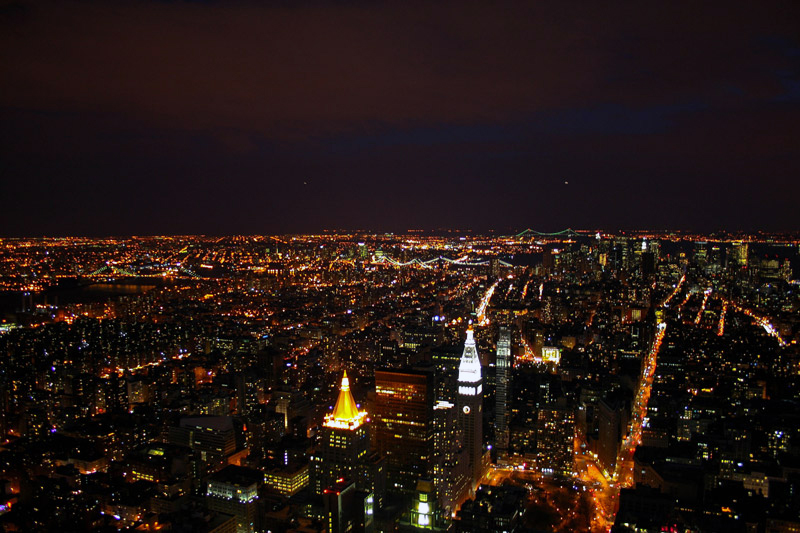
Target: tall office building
(470, 406)
(343, 447)
(503, 367)
(234, 491)
(739, 253)
(451, 471)
(612, 421)
(213, 440)
(348, 510)
(445, 360)
(555, 435)
(700, 253)
(403, 425)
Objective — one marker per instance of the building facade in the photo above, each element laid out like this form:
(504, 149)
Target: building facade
(404, 425)
(470, 407)
(343, 449)
(503, 368)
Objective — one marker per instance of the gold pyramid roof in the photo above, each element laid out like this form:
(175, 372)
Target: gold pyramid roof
(345, 413)
(345, 408)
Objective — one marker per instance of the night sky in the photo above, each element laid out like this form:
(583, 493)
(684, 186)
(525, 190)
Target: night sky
(237, 117)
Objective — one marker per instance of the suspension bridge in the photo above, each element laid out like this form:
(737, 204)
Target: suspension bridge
(432, 263)
(128, 272)
(569, 232)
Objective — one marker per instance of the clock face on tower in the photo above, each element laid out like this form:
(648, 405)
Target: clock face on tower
(466, 409)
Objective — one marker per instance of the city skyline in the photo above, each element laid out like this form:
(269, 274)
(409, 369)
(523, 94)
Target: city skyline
(240, 118)
(399, 267)
(572, 382)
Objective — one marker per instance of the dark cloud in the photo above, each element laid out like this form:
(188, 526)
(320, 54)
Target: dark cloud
(208, 116)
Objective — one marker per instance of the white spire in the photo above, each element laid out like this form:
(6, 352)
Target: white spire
(469, 370)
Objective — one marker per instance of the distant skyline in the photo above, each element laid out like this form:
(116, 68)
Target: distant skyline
(235, 117)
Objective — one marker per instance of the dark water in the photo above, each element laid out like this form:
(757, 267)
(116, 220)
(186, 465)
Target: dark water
(74, 291)
(523, 259)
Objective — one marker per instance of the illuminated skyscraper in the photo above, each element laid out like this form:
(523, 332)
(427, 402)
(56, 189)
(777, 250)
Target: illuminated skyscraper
(403, 425)
(343, 448)
(739, 253)
(450, 462)
(503, 367)
(555, 434)
(470, 406)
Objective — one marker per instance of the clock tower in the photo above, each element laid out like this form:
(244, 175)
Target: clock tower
(470, 408)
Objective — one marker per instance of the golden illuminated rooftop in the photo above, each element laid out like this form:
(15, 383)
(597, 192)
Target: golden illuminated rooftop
(345, 413)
